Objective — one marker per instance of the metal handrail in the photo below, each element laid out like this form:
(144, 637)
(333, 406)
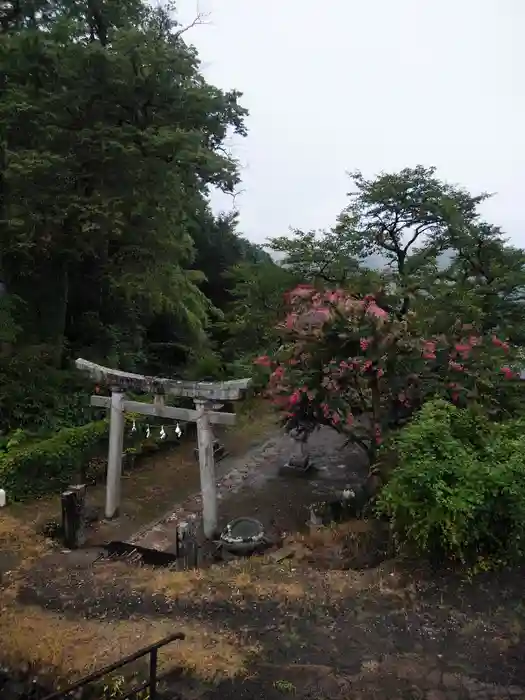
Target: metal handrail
(150, 684)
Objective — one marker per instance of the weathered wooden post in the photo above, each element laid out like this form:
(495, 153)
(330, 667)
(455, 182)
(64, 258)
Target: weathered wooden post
(116, 445)
(73, 507)
(205, 439)
(219, 451)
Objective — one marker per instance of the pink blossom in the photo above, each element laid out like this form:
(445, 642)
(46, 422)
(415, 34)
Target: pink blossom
(507, 372)
(375, 310)
(302, 291)
(364, 343)
(349, 419)
(294, 398)
(278, 372)
(291, 320)
(263, 361)
(322, 313)
(500, 343)
(462, 348)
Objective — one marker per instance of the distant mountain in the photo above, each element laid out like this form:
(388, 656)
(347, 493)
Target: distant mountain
(374, 262)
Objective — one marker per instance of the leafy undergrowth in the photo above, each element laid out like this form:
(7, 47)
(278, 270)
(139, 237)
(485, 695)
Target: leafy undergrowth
(458, 494)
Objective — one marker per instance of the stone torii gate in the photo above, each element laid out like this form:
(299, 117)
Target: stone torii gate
(204, 395)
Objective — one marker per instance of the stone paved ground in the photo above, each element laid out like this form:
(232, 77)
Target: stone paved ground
(252, 486)
(279, 629)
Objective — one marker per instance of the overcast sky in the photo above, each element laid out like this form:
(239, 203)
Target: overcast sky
(339, 85)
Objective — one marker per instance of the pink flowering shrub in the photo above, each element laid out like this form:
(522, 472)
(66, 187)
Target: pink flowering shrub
(348, 363)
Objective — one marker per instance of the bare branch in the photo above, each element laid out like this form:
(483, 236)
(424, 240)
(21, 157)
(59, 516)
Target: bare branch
(200, 19)
(418, 232)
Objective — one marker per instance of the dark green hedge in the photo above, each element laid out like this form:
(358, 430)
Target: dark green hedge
(49, 465)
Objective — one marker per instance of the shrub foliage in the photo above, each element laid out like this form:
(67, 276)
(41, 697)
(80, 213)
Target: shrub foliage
(458, 491)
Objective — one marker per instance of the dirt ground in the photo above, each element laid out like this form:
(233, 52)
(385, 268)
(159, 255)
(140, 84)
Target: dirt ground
(262, 628)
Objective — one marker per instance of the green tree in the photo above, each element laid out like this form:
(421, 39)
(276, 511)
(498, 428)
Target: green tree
(410, 220)
(249, 326)
(111, 139)
(491, 274)
(419, 243)
(323, 257)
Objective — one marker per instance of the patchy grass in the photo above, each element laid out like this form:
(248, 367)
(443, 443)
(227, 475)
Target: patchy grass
(67, 648)
(234, 580)
(248, 619)
(257, 578)
(19, 537)
(63, 646)
(20, 548)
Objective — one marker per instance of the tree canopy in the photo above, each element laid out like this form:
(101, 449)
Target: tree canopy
(111, 141)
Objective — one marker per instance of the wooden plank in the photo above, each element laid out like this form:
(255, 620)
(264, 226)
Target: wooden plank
(205, 440)
(214, 391)
(175, 413)
(101, 401)
(170, 412)
(187, 415)
(295, 549)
